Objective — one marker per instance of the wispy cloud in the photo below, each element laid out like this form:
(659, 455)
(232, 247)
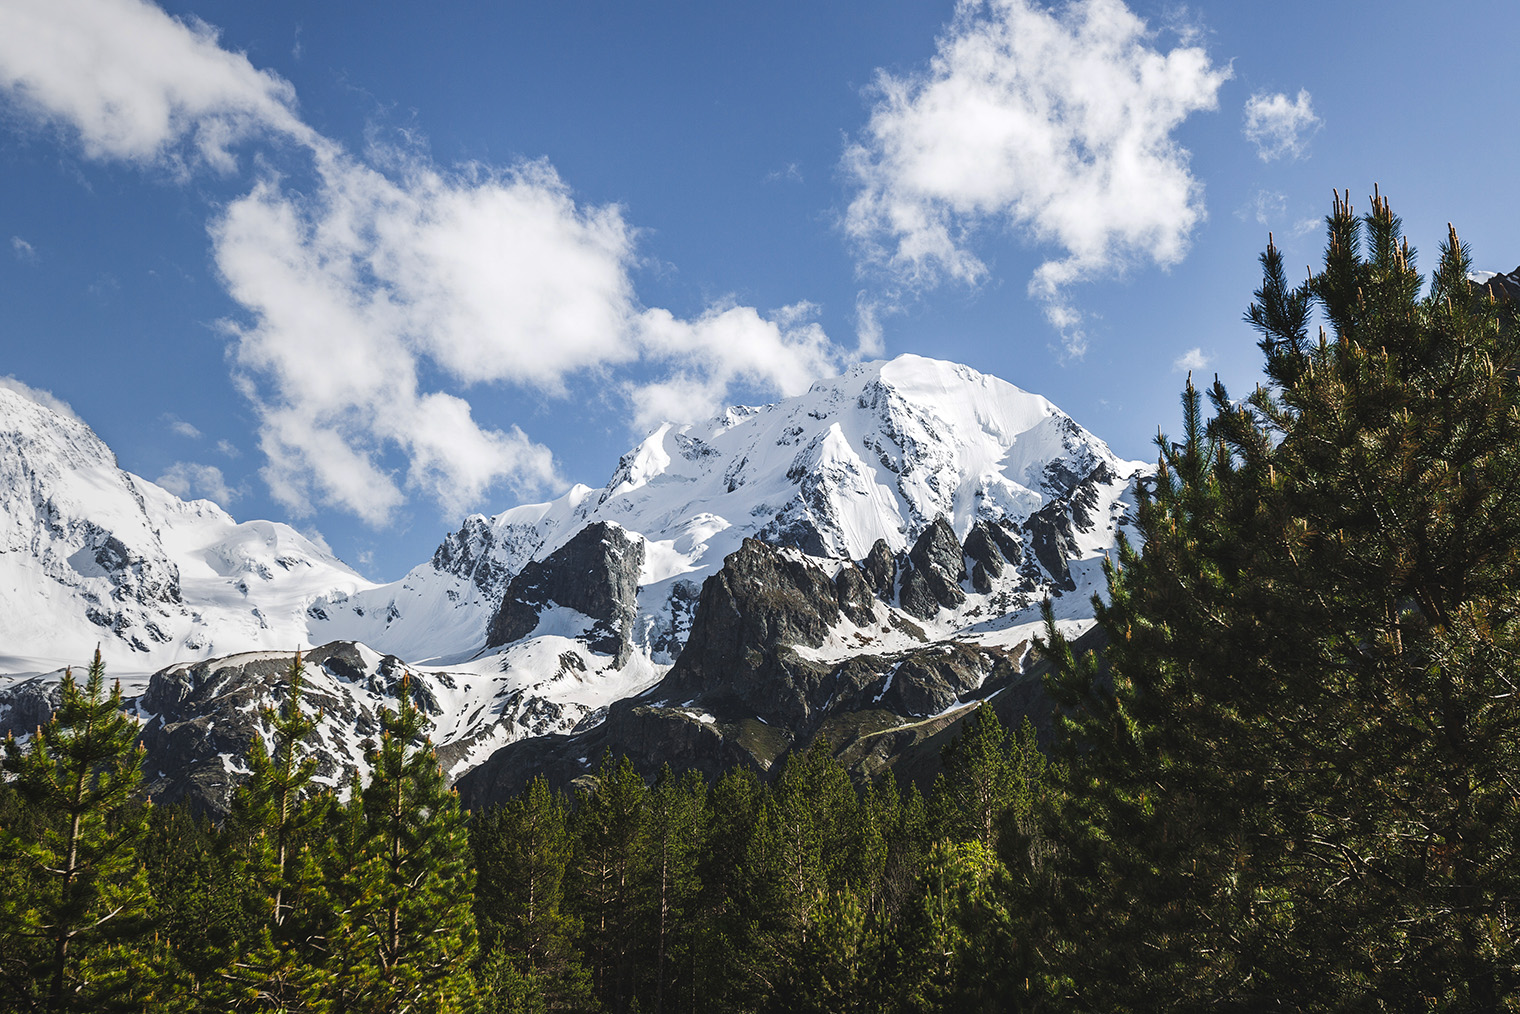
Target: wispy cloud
(44, 398)
(181, 427)
(791, 173)
(379, 299)
(23, 250)
(1058, 123)
(1280, 127)
(135, 84)
(188, 479)
(1269, 208)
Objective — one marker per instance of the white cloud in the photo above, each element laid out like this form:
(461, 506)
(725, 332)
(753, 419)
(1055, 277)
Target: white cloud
(374, 281)
(1191, 360)
(791, 172)
(1279, 127)
(182, 427)
(1058, 123)
(228, 448)
(23, 250)
(1270, 206)
(187, 479)
(727, 346)
(869, 335)
(41, 397)
(137, 84)
(383, 291)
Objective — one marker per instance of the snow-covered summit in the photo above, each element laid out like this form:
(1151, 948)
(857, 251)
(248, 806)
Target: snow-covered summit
(91, 554)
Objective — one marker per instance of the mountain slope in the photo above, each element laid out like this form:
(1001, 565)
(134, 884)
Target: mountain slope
(921, 511)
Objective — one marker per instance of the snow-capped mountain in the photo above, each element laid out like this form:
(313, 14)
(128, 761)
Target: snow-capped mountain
(91, 554)
(878, 453)
(930, 504)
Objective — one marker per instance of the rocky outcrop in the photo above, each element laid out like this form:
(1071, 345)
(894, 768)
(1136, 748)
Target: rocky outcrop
(880, 570)
(1503, 288)
(28, 704)
(992, 549)
(596, 573)
(1053, 528)
(746, 689)
(202, 719)
(205, 718)
(937, 567)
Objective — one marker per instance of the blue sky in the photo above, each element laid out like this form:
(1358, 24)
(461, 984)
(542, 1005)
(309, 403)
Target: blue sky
(366, 268)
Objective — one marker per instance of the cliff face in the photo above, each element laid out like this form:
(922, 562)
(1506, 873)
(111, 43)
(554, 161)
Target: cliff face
(596, 573)
(781, 654)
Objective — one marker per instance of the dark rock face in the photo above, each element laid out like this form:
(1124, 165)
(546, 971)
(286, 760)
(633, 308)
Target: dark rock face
(742, 694)
(991, 549)
(855, 597)
(938, 567)
(1052, 539)
(26, 705)
(211, 709)
(880, 569)
(467, 553)
(1504, 288)
(1052, 529)
(595, 573)
(760, 602)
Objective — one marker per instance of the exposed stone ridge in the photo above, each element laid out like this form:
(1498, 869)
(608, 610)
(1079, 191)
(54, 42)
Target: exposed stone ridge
(595, 573)
(938, 566)
(740, 692)
(1052, 529)
(205, 717)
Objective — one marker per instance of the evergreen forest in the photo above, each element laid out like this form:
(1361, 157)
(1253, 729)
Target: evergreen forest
(1288, 781)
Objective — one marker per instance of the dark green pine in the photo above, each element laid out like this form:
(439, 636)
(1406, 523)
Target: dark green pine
(1288, 784)
(81, 902)
(406, 934)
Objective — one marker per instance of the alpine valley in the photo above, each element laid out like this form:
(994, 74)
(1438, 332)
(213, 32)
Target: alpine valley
(863, 563)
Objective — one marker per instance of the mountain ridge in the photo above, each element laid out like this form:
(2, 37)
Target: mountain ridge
(920, 503)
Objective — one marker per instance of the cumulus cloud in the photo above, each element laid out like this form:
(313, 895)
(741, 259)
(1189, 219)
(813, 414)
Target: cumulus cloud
(137, 84)
(1278, 126)
(1055, 122)
(380, 293)
(41, 397)
(187, 480)
(726, 346)
(1191, 360)
(23, 250)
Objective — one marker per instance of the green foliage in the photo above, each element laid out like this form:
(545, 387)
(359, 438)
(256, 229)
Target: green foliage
(273, 830)
(79, 888)
(1291, 783)
(408, 892)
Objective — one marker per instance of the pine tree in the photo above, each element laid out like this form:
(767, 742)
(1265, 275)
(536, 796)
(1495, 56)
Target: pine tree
(83, 889)
(608, 824)
(406, 936)
(277, 825)
(522, 851)
(675, 833)
(725, 921)
(1290, 785)
(989, 778)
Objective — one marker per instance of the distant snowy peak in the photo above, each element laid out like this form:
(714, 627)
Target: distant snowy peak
(91, 553)
(879, 452)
